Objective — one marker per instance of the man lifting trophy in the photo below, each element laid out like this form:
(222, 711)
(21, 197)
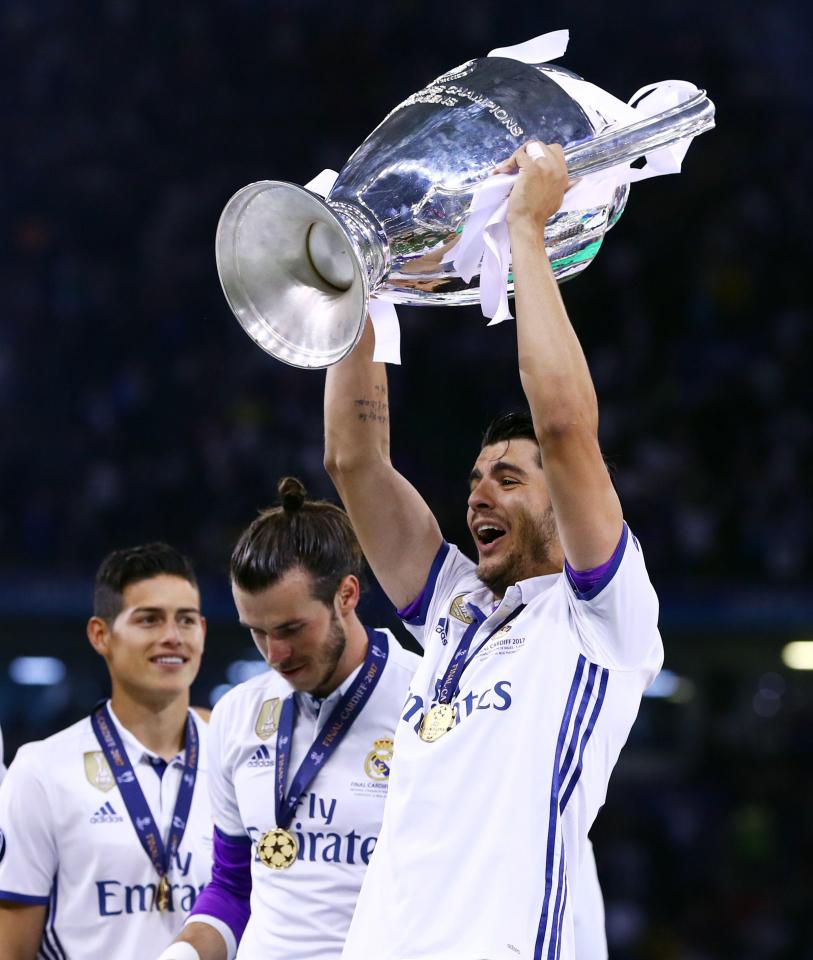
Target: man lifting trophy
(499, 178)
(415, 216)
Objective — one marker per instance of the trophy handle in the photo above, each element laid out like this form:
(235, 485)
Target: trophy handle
(623, 144)
(615, 147)
(612, 148)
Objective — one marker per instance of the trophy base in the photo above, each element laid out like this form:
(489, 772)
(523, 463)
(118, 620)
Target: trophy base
(293, 274)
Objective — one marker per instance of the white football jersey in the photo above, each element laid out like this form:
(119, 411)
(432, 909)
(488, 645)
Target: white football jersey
(486, 827)
(67, 842)
(589, 928)
(303, 913)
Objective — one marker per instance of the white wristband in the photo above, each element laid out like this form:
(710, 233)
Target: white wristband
(180, 951)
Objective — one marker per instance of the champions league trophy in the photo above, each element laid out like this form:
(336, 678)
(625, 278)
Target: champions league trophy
(416, 216)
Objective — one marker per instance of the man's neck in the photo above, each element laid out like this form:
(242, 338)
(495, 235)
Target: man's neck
(160, 725)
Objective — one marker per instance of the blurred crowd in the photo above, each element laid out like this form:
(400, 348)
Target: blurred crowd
(131, 402)
(132, 406)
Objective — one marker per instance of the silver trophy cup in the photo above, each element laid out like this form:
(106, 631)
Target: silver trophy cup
(298, 271)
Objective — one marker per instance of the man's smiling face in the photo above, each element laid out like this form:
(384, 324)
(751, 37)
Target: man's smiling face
(154, 646)
(510, 515)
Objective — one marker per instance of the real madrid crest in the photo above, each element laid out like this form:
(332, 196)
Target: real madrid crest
(268, 718)
(459, 610)
(377, 764)
(98, 772)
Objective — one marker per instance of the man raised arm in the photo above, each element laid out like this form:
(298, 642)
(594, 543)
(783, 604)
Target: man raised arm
(396, 529)
(535, 657)
(553, 370)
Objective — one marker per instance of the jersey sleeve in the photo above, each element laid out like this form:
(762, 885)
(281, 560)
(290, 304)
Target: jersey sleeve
(28, 853)
(616, 618)
(225, 902)
(222, 797)
(451, 572)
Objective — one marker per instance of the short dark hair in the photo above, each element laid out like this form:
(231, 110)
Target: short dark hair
(516, 425)
(313, 535)
(130, 565)
(519, 425)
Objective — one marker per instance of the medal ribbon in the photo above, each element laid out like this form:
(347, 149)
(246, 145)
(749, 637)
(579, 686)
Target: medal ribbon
(459, 662)
(338, 723)
(135, 802)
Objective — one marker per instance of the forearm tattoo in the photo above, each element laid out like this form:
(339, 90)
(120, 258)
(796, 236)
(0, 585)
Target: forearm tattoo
(375, 409)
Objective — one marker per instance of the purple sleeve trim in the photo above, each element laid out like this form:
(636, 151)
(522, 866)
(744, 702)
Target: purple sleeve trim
(412, 609)
(588, 584)
(23, 898)
(415, 613)
(227, 896)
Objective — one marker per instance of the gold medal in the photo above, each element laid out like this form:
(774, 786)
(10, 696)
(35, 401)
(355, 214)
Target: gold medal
(277, 849)
(437, 722)
(162, 897)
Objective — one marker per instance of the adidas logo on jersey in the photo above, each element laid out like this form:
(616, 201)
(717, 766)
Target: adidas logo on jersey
(106, 814)
(260, 758)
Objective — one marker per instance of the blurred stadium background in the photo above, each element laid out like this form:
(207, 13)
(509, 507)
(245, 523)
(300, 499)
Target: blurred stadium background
(133, 407)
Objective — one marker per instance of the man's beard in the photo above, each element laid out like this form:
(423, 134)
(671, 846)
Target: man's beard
(535, 542)
(336, 641)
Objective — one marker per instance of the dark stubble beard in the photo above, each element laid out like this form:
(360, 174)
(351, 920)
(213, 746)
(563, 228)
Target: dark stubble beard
(335, 643)
(534, 541)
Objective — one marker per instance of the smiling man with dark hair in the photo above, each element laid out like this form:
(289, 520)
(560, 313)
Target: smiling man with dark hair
(107, 823)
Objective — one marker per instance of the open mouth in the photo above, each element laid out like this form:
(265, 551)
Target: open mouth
(488, 533)
(169, 660)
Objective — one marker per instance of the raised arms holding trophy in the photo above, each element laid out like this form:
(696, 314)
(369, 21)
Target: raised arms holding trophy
(415, 216)
(535, 658)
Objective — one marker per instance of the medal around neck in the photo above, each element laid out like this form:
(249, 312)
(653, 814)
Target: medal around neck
(437, 722)
(278, 849)
(415, 215)
(162, 894)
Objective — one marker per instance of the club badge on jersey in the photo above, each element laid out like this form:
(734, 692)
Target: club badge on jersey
(268, 718)
(278, 848)
(97, 771)
(459, 610)
(378, 760)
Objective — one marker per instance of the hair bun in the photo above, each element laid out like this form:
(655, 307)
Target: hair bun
(292, 494)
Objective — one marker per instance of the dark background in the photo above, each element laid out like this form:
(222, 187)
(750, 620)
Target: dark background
(133, 407)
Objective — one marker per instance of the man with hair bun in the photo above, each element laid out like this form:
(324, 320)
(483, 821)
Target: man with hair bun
(105, 827)
(299, 755)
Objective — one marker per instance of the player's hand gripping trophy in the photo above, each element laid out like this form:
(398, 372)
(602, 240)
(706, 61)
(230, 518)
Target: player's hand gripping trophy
(416, 215)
